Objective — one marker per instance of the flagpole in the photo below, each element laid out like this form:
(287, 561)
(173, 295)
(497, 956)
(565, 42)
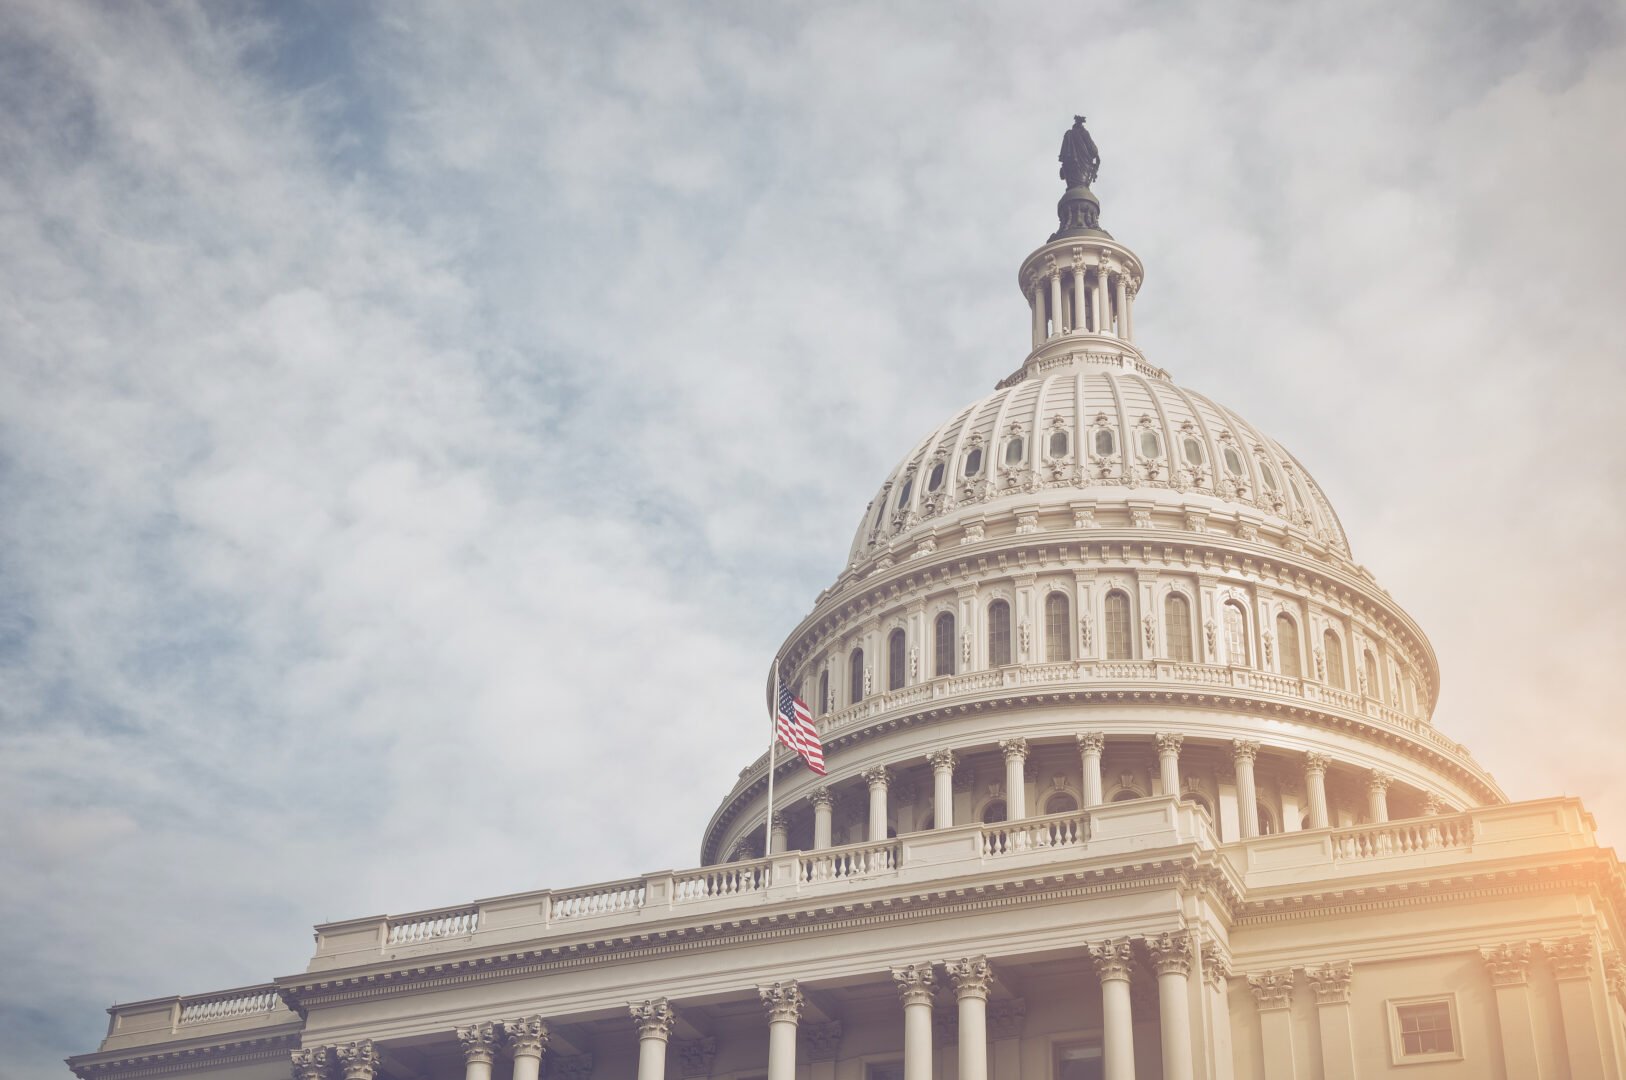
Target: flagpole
(773, 745)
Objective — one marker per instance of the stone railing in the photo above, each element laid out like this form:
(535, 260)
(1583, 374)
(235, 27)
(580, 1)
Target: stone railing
(1403, 837)
(1071, 829)
(257, 1009)
(851, 861)
(250, 1001)
(608, 899)
(430, 925)
(719, 881)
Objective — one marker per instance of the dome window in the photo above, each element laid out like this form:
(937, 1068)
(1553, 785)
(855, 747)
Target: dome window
(934, 481)
(1015, 450)
(1193, 451)
(1105, 444)
(1150, 445)
(1233, 461)
(1298, 492)
(973, 462)
(1269, 475)
(1058, 444)
(903, 495)
(999, 633)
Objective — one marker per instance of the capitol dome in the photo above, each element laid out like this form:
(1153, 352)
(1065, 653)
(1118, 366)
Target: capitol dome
(1096, 585)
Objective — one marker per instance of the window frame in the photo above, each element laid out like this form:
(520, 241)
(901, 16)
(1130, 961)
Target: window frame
(1058, 646)
(1171, 629)
(855, 676)
(1397, 1048)
(1107, 627)
(1006, 651)
(1332, 651)
(944, 644)
(1283, 640)
(897, 660)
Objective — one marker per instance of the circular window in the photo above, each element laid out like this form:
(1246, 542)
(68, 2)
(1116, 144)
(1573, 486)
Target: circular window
(903, 495)
(1014, 451)
(1193, 451)
(935, 480)
(1233, 461)
(1105, 443)
(973, 461)
(1058, 444)
(1150, 445)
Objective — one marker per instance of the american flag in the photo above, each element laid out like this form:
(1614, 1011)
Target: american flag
(796, 730)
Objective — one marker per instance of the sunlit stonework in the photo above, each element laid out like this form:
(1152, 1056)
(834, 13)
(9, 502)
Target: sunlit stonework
(1132, 773)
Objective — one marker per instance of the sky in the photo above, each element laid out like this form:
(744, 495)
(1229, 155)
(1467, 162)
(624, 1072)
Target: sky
(420, 423)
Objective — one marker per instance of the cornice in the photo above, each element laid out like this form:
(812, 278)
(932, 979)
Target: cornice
(269, 1045)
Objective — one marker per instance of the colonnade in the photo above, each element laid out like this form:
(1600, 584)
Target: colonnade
(1015, 750)
(1082, 299)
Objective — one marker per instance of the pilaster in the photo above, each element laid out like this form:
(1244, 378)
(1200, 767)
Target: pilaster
(1330, 983)
(1508, 969)
(1273, 996)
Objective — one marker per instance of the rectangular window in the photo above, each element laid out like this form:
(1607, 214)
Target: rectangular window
(1077, 1061)
(884, 1070)
(1424, 1030)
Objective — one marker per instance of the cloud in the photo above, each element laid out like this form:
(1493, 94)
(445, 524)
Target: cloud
(417, 428)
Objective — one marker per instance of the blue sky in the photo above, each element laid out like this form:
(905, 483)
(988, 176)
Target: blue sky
(419, 423)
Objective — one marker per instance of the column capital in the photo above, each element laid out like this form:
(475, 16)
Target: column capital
(823, 1040)
(1331, 982)
(1216, 965)
(1091, 742)
(358, 1059)
(1006, 1017)
(1113, 959)
(1614, 971)
(695, 1055)
(942, 760)
(1570, 958)
(782, 1001)
(1507, 965)
(822, 797)
(479, 1042)
(1244, 750)
(971, 976)
(1316, 763)
(310, 1062)
(779, 821)
(1378, 781)
(654, 1018)
(1170, 952)
(1168, 742)
(915, 983)
(527, 1036)
(1433, 804)
(1272, 989)
(877, 777)
(1014, 748)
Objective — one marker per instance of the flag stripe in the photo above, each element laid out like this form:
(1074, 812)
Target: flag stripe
(794, 722)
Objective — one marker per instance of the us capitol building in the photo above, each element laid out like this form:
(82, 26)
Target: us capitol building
(1131, 774)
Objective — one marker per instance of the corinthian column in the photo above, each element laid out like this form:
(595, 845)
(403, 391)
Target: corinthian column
(823, 803)
(1168, 761)
(1171, 959)
(1016, 787)
(942, 788)
(1508, 967)
(1081, 321)
(877, 779)
(359, 1060)
(915, 984)
(1038, 312)
(1090, 745)
(1055, 303)
(310, 1062)
(1315, 787)
(654, 1019)
(527, 1039)
(479, 1048)
(1243, 751)
(971, 976)
(1377, 796)
(778, 834)
(1113, 961)
(783, 1003)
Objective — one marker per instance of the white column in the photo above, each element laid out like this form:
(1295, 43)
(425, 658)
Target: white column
(778, 834)
(1243, 751)
(783, 1003)
(479, 1048)
(915, 983)
(359, 1061)
(1123, 306)
(1168, 761)
(1081, 317)
(1129, 311)
(1101, 298)
(1113, 961)
(823, 803)
(527, 1038)
(942, 788)
(1171, 955)
(1315, 788)
(971, 976)
(1377, 796)
(1016, 784)
(1090, 745)
(1055, 303)
(654, 1019)
(877, 778)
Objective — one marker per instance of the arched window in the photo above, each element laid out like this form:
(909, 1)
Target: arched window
(896, 663)
(1287, 645)
(1058, 639)
(1120, 640)
(1267, 821)
(1236, 635)
(1177, 626)
(1060, 802)
(973, 462)
(1333, 650)
(824, 691)
(934, 480)
(855, 676)
(1374, 689)
(994, 812)
(943, 646)
(905, 491)
(999, 633)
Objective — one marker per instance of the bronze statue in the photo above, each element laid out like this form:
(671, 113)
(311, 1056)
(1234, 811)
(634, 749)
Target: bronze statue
(1080, 160)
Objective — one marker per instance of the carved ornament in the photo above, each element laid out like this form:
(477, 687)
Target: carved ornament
(1331, 982)
(1272, 989)
(971, 976)
(915, 983)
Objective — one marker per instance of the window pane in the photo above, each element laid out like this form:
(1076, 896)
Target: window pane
(903, 494)
(1334, 653)
(973, 461)
(1013, 452)
(1105, 444)
(1120, 642)
(855, 676)
(1236, 642)
(1269, 474)
(1150, 445)
(1193, 451)
(1233, 461)
(1058, 444)
(1058, 635)
(999, 633)
(1425, 1028)
(824, 692)
(944, 633)
(935, 480)
(1177, 626)
(1287, 644)
(1373, 688)
(895, 661)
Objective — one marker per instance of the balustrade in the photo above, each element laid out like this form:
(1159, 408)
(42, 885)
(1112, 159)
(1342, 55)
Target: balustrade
(1403, 838)
(1056, 831)
(230, 1005)
(731, 880)
(599, 900)
(835, 864)
(430, 925)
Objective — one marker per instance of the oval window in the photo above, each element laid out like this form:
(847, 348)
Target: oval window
(973, 461)
(935, 480)
(1298, 492)
(903, 496)
(1058, 444)
(1150, 445)
(1193, 451)
(1013, 451)
(1105, 444)
(1233, 461)
(1269, 475)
